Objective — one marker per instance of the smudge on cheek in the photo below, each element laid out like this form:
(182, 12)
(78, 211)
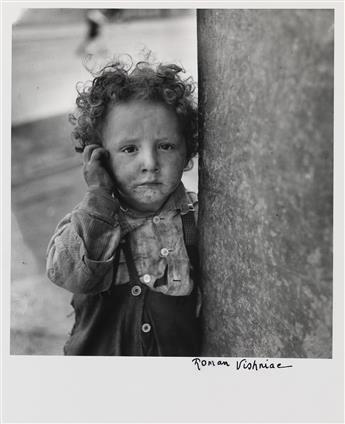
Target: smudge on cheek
(147, 192)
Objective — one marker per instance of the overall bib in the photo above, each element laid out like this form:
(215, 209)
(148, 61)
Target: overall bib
(132, 320)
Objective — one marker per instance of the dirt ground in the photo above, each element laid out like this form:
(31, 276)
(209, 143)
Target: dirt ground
(46, 172)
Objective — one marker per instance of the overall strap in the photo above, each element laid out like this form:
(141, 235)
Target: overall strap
(189, 228)
(126, 247)
(190, 239)
(132, 270)
(116, 262)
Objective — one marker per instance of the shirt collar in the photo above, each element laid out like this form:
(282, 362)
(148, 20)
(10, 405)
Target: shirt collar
(179, 200)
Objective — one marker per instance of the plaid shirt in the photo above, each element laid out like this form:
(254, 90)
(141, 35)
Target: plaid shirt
(80, 254)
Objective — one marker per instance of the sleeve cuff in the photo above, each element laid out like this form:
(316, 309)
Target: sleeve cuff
(95, 267)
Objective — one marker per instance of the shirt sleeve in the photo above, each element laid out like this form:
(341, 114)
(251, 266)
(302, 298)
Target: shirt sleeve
(80, 255)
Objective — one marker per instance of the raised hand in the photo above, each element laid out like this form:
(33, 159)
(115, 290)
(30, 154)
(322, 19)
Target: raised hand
(95, 158)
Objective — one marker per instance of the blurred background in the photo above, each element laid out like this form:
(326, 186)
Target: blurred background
(51, 51)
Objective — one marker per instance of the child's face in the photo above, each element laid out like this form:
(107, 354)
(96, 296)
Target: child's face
(147, 152)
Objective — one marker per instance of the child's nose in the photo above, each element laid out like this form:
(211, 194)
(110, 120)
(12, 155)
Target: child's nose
(150, 161)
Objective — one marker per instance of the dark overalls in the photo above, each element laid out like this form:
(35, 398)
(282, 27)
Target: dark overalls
(133, 320)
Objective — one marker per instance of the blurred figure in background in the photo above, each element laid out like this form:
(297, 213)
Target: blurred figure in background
(95, 20)
(113, 14)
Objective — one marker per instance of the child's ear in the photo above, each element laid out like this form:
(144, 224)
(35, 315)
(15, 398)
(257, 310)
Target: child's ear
(189, 165)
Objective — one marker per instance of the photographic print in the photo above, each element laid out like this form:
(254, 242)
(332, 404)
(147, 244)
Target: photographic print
(174, 180)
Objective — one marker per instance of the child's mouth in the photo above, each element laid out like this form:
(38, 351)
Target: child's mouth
(149, 184)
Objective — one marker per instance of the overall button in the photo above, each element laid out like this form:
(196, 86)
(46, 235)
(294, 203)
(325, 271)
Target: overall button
(146, 278)
(164, 252)
(146, 328)
(156, 219)
(136, 290)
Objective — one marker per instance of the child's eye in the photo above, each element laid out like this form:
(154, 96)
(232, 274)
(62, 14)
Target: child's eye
(129, 149)
(166, 146)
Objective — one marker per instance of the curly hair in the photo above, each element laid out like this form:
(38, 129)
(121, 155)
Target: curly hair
(143, 81)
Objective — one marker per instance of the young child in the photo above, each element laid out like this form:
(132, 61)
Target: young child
(128, 250)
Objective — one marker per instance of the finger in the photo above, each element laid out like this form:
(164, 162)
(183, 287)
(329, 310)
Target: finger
(88, 151)
(99, 154)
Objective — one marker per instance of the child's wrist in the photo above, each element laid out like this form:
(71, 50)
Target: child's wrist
(101, 189)
(99, 202)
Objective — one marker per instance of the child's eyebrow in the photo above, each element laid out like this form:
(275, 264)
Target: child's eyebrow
(162, 139)
(129, 140)
(138, 140)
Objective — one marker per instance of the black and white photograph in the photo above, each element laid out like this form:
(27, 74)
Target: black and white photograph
(70, 223)
(174, 206)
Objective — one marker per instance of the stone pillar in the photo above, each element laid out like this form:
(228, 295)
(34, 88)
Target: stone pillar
(265, 189)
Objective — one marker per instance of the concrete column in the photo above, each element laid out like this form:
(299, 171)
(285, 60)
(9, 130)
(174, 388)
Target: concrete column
(266, 191)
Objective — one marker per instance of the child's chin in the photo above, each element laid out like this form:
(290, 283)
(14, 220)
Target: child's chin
(149, 203)
(150, 206)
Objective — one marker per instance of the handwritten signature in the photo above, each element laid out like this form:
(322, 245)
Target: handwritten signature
(242, 364)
